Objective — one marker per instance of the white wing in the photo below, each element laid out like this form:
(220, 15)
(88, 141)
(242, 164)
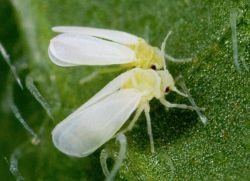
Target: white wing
(109, 89)
(70, 49)
(113, 35)
(84, 132)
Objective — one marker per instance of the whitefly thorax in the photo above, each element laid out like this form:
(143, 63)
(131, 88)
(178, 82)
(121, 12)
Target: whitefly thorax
(152, 84)
(146, 56)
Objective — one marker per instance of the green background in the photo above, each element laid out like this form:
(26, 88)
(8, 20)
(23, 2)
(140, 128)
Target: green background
(185, 148)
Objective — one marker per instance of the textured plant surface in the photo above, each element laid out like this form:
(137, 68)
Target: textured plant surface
(185, 148)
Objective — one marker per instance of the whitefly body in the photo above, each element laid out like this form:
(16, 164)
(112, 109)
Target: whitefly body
(102, 117)
(94, 46)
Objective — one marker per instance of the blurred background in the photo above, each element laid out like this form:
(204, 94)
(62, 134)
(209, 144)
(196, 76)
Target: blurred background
(35, 94)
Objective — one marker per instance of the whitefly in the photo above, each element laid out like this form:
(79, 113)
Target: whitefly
(103, 117)
(94, 46)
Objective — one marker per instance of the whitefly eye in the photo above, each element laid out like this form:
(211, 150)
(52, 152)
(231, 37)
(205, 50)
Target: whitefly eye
(153, 67)
(167, 89)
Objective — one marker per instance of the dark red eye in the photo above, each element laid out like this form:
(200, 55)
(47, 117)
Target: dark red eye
(167, 89)
(153, 67)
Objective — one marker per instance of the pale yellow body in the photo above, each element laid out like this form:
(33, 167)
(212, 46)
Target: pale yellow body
(151, 83)
(146, 56)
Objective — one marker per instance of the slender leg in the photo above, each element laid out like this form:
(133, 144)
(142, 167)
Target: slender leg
(150, 133)
(121, 138)
(178, 60)
(132, 123)
(172, 105)
(98, 72)
(203, 118)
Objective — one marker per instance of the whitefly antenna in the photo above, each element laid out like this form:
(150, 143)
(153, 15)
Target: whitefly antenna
(202, 117)
(179, 92)
(163, 46)
(168, 57)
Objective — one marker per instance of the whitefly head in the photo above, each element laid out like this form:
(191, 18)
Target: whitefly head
(94, 46)
(168, 83)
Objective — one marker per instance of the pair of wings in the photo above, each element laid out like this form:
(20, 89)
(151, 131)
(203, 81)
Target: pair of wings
(91, 46)
(98, 120)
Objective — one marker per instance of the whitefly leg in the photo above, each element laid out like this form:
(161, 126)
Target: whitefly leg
(121, 138)
(178, 60)
(150, 133)
(96, 73)
(180, 106)
(133, 121)
(203, 118)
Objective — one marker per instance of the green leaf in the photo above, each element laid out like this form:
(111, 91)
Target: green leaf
(185, 148)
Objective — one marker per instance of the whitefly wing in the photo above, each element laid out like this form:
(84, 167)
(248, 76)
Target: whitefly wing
(113, 35)
(69, 49)
(83, 132)
(109, 89)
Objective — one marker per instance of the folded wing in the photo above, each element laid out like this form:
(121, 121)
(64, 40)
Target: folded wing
(85, 131)
(109, 89)
(113, 35)
(69, 49)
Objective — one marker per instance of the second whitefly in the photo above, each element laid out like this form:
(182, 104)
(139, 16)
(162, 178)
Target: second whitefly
(95, 46)
(102, 117)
